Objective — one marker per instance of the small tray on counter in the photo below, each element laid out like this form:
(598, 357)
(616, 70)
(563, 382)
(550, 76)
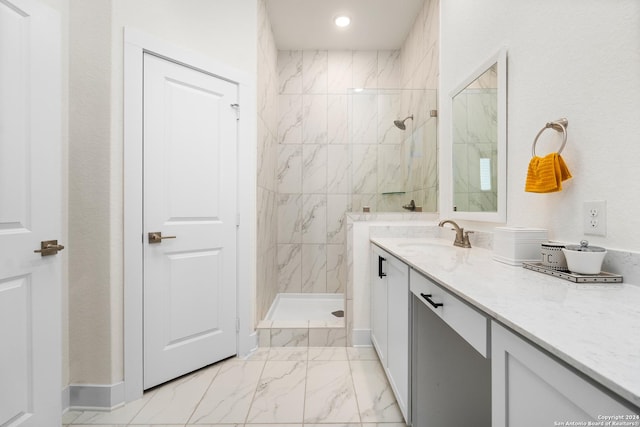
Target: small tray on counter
(602, 277)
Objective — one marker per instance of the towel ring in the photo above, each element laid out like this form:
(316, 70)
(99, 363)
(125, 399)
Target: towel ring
(559, 125)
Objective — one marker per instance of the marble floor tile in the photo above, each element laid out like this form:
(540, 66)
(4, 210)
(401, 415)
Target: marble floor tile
(216, 425)
(259, 354)
(280, 394)
(229, 397)
(174, 402)
(362, 353)
(102, 425)
(69, 416)
(120, 416)
(278, 386)
(327, 353)
(287, 353)
(330, 397)
(334, 425)
(375, 397)
(269, 425)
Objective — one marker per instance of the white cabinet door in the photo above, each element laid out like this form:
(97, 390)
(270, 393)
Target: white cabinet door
(532, 389)
(379, 302)
(30, 212)
(398, 331)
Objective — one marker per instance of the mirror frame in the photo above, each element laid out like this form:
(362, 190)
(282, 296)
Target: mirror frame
(500, 215)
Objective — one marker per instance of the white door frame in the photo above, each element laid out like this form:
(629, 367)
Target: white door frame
(136, 44)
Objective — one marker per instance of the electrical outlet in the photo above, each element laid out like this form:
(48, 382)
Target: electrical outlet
(595, 217)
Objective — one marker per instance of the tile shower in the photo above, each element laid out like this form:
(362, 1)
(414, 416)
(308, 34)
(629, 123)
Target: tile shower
(327, 146)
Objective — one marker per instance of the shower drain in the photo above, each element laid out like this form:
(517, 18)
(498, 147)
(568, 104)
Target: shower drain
(338, 313)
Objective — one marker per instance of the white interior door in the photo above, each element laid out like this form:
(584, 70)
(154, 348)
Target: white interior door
(190, 180)
(30, 329)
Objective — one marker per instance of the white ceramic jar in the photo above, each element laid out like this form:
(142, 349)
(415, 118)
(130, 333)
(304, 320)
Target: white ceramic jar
(584, 259)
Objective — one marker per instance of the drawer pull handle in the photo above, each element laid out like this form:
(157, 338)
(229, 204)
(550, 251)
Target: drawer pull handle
(430, 301)
(380, 273)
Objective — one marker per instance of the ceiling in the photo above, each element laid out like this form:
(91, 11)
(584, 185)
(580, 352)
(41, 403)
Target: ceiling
(308, 24)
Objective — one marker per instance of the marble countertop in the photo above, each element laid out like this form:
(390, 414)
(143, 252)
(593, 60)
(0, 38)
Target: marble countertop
(593, 327)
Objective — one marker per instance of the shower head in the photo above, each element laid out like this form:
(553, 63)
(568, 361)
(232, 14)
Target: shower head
(400, 123)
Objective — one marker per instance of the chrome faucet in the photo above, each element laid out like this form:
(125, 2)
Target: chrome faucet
(410, 207)
(462, 237)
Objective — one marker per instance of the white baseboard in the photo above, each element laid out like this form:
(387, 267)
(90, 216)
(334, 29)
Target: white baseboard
(361, 338)
(93, 396)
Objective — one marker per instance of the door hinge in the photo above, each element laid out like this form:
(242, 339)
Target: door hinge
(237, 108)
(237, 324)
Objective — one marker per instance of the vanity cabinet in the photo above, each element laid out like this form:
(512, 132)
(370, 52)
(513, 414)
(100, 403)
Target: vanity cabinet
(532, 388)
(450, 371)
(390, 321)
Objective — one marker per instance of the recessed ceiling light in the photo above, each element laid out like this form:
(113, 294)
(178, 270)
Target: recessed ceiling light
(342, 21)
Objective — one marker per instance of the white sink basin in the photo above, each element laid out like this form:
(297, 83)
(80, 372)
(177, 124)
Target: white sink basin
(423, 245)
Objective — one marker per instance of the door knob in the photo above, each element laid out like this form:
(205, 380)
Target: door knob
(49, 247)
(156, 237)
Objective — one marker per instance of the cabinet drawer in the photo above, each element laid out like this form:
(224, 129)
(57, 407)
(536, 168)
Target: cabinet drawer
(465, 320)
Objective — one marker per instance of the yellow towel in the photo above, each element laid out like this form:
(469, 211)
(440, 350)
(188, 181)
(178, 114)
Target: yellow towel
(545, 174)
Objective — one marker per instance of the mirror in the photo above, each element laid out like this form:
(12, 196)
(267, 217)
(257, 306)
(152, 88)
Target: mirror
(479, 143)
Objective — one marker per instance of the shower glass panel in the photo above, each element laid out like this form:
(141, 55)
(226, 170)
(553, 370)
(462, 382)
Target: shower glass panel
(390, 166)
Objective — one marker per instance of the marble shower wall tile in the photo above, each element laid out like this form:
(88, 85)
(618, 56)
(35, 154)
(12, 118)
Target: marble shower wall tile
(364, 118)
(314, 168)
(327, 337)
(338, 119)
(289, 337)
(338, 169)
(267, 159)
(289, 173)
(358, 201)
(390, 170)
(290, 71)
(314, 218)
(290, 119)
(290, 219)
(389, 110)
(314, 71)
(314, 268)
(389, 69)
(337, 206)
(340, 71)
(365, 69)
(290, 268)
(365, 166)
(336, 268)
(314, 119)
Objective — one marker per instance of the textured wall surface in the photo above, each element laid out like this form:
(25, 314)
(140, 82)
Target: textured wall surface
(581, 63)
(267, 268)
(224, 31)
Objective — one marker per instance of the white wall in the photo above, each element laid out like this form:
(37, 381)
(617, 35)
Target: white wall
(579, 60)
(225, 31)
(62, 7)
